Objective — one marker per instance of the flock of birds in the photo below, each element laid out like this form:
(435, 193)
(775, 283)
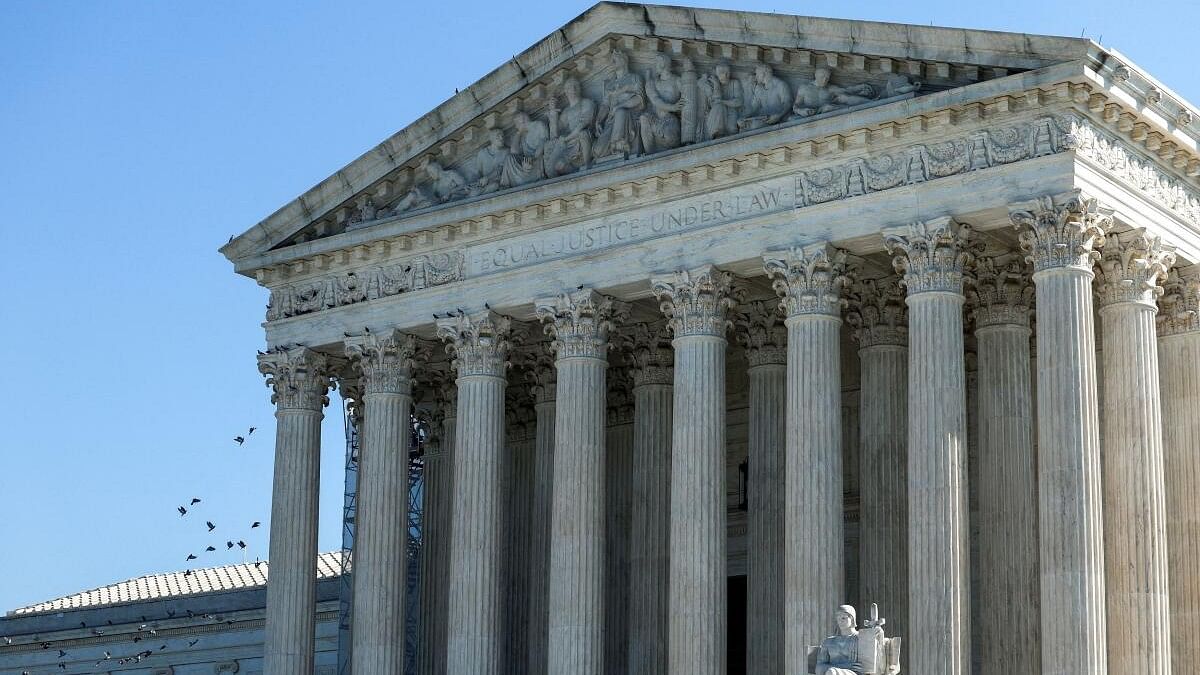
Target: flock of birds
(148, 630)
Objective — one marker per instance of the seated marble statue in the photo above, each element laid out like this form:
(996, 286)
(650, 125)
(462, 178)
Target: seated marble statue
(855, 652)
(770, 100)
(524, 163)
(570, 149)
(488, 164)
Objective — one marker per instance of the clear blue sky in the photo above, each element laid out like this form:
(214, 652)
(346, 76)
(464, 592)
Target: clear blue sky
(136, 137)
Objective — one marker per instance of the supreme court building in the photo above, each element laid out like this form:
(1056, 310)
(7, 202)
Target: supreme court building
(720, 320)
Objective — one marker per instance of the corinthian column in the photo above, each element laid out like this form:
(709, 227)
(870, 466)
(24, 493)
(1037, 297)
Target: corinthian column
(1008, 546)
(810, 281)
(1135, 527)
(1058, 235)
(435, 530)
(618, 492)
(762, 333)
(580, 322)
(474, 623)
(1179, 368)
(541, 373)
(650, 556)
(299, 379)
(381, 534)
(931, 256)
(696, 303)
(878, 319)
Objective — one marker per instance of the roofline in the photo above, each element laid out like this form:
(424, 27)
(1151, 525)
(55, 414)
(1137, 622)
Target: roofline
(1016, 50)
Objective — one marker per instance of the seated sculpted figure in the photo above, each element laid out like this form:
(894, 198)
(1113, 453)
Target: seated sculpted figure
(854, 652)
(487, 164)
(525, 159)
(616, 128)
(660, 123)
(770, 100)
(571, 150)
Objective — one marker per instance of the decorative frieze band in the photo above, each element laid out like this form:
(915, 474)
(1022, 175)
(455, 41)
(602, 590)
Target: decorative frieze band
(348, 288)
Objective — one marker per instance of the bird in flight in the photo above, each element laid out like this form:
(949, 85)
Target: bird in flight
(193, 642)
(228, 545)
(211, 527)
(239, 440)
(255, 524)
(209, 549)
(191, 556)
(241, 544)
(195, 501)
(182, 511)
(251, 430)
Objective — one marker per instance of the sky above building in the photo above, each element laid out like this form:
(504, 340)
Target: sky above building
(137, 137)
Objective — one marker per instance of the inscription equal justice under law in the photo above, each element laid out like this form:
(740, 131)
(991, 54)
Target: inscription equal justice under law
(596, 234)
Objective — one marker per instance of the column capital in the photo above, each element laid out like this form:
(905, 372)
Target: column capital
(540, 372)
(931, 255)
(351, 387)
(520, 421)
(650, 356)
(386, 361)
(1001, 293)
(1061, 231)
(619, 404)
(479, 342)
(299, 378)
(761, 333)
(877, 314)
(696, 301)
(810, 279)
(580, 322)
(1132, 267)
(1179, 306)
(440, 383)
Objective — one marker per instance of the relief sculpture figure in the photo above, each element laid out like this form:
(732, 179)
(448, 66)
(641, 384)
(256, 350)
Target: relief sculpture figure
(770, 100)
(616, 129)
(660, 123)
(898, 85)
(443, 186)
(723, 99)
(819, 96)
(571, 147)
(487, 165)
(525, 160)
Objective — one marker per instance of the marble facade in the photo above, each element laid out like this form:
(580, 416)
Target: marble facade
(664, 239)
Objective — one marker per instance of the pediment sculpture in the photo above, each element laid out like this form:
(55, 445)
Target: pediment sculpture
(852, 651)
(630, 114)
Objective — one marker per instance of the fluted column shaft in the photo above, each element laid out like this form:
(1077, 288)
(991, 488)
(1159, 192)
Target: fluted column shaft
(766, 532)
(650, 502)
(877, 316)
(435, 533)
(1179, 376)
(474, 621)
(518, 496)
(810, 281)
(580, 322)
(617, 518)
(1135, 528)
(381, 520)
(883, 470)
(1058, 234)
(931, 256)
(299, 380)
(1008, 546)
(543, 496)
(697, 302)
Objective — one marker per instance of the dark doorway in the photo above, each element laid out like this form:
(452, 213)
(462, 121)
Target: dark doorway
(737, 625)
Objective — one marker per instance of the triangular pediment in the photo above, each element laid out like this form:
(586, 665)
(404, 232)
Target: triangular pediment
(625, 82)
